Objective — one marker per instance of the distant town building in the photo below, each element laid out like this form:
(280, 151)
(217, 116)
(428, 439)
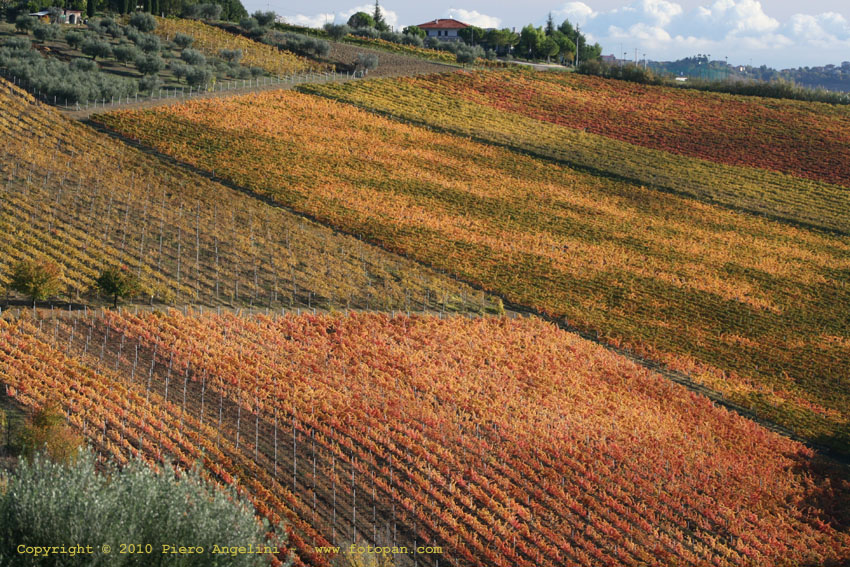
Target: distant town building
(608, 58)
(444, 29)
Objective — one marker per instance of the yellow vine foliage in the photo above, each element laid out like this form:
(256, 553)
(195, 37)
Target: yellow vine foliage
(210, 40)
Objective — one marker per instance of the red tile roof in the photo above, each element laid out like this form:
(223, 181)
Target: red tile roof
(443, 24)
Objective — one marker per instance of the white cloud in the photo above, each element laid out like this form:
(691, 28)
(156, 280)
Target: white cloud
(740, 28)
(318, 20)
(474, 18)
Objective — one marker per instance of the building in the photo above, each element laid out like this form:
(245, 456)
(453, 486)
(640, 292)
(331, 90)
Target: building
(66, 17)
(443, 29)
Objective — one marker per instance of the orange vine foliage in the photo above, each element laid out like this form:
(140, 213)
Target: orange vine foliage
(753, 308)
(507, 441)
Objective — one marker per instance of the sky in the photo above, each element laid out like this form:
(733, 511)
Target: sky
(777, 33)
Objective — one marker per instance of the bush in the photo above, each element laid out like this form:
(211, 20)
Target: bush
(89, 504)
(193, 57)
(25, 23)
(149, 64)
(125, 53)
(361, 20)
(183, 40)
(337, 31)
(143, 22)
(149, 43)
(231, 55)
(249, 24)
(414, 40)
(37, 279)
(95, 48)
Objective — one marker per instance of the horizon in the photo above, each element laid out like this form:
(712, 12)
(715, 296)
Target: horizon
(748, 32)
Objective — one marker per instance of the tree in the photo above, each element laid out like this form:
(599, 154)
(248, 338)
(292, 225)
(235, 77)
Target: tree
(530, 39)
(361, 20)
(95, 48)
(25, 23)
(149, 64)
(44, 32)
(90, 8)
(39, 279)
(380, 23)
(366, 61)
(90, 502)
(74, 39)
(550, 25)
(336, 31)
(468, 54)
(264, 18)
(414, 31)
(193, 57)
(549, 47)
(183, 40)
(471, 35)
(143, 22)
(118, 283)
(46, 431)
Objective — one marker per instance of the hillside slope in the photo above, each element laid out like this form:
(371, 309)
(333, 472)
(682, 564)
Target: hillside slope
(503, 442)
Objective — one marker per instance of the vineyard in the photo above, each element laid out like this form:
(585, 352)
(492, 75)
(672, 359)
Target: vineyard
(210, 40)
(632, 131)
(89, 202)
(500, 441)
(754, 309)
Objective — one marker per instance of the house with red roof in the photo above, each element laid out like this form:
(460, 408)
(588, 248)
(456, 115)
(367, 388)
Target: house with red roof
(445, 29)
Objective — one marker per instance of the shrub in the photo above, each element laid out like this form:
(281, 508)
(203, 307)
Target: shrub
(297, 43)
(468, 54)
(89, 504)
(183, 40)
(249, 24)
(95, 48)
(149, 64)
(143, 22)
(37, 279)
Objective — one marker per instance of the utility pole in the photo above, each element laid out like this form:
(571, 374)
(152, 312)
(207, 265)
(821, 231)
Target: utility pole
(577, 36)
(644, 61)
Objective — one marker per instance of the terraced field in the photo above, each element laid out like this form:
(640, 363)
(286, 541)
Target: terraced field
(711, 146)
(498, 441)
(752, 308)
(88, 202)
